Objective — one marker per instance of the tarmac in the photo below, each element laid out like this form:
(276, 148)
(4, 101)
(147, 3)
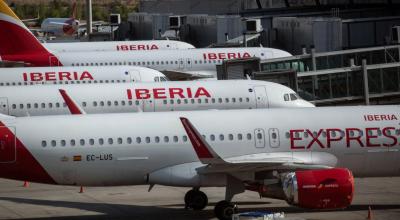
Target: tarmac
(39, 201)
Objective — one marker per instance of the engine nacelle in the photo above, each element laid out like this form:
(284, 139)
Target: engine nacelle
(319, 189)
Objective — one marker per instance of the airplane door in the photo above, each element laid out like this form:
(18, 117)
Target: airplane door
(273, 137)
(181, 63)
(148, 104)
(7, 145)
(188, 63)
(261, 97)
(53, 61)
(259, 137)
(134, 76)
(4, 106)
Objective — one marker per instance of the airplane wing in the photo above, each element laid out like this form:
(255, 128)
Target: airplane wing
(253, 162)
(73, 107)
(181, 76)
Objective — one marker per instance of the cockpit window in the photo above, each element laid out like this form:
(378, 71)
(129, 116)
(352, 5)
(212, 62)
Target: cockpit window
(286, 97)
(156, 79)
(293, 96)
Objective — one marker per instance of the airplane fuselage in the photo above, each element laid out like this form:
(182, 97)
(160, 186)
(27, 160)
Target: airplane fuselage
(148, 97)
(128, 149)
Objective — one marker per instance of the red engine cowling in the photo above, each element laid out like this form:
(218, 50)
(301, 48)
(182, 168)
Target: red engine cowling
(319, 189)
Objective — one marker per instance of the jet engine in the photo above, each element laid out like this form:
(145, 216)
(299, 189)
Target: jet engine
(319, 189)
(312, 189)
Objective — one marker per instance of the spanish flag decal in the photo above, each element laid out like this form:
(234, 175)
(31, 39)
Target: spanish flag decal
(77, 158)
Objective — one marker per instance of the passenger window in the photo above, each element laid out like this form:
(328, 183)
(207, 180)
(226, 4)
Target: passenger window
(84, 104)
(147, 139)
(101, 103)
(53, 143)
(119, 140)
(129, 140)
(157, 139)
(28, 105)
(247, 99)
(14, 106)
(36, 105)
(123, 103)
(171, 101)
(110, 141)
(94, 103)
(72, 142)
(137, 102)
(165, 101)
(192, 101)
(230, 137)
(178, 101)
(175, 138)
(21, 106)
(227, 100)
(259, 136)
(221, 137)
(116, 103)
(199, 101)
(138, 140)
(166, 139)
(44, 143)
(248, 136)
(240, 137)
(213, 100)
(186, 101)
(91, 141)
(82, 142)
(233, 100)
(109, 103)
(206, 100)
(212, 137)
(57, 105)
(101, 141)
(43, 105)
(220, 100)
(184, 138)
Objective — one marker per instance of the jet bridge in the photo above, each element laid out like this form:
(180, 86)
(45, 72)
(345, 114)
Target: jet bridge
(357, 76)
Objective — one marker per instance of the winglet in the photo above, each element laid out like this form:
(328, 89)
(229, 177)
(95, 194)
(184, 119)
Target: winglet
(203, 150)
(73, 107)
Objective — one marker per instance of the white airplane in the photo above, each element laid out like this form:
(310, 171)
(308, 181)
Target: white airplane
(61, 26)
(147, 97)
(122, 46)
(305, 156)
(76, 75)
(21, 45)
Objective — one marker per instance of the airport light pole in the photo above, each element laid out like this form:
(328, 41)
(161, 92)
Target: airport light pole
(88, 17)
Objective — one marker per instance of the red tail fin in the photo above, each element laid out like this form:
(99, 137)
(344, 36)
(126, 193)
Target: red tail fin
(19, 44)
(73, 15)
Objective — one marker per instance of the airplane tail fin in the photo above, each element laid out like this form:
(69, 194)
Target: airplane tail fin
(15, 37)
(17, 43)
(73, 15)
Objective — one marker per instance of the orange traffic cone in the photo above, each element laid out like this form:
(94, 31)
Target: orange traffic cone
(370, 216)
(81, 190)
(26, 184)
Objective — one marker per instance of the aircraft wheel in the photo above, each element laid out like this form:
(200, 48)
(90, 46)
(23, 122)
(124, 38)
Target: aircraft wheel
(224, 210)
(196, 200)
